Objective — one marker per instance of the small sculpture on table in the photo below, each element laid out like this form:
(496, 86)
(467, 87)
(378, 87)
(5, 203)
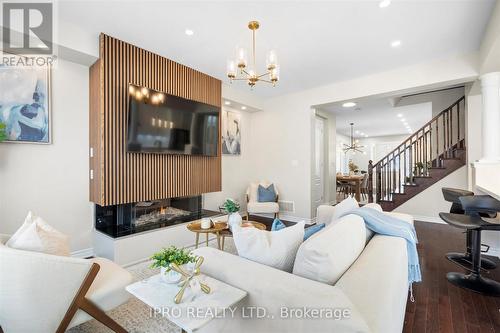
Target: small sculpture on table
(188, 278)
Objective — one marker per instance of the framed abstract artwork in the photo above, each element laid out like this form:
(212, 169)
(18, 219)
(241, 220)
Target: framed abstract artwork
(231, 133)
(25, 104)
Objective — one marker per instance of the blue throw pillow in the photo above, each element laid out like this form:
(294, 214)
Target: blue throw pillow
(266, 194)
(277, 225)
(308, 232)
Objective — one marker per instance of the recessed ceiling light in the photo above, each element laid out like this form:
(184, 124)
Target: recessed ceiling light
(243, 107)
(189, 32)
(403, 120)
(357, 132)
(396, 43)
(227, 102)
(366, 136)
(384, 3)
(349, 104)
(400, 115)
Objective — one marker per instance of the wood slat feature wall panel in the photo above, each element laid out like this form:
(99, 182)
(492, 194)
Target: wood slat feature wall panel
(121, 177)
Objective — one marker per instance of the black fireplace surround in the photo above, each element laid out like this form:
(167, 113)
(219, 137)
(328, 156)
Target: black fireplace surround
(123, 220)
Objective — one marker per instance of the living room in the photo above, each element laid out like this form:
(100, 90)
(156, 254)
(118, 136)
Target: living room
(82, 159)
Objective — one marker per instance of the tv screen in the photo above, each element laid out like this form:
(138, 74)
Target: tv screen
(162, 123)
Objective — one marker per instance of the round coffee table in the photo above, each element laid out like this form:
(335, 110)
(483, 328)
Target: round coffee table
(220, 230)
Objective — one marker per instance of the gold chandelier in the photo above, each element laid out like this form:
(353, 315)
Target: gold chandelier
(354, 145)
(239, 70)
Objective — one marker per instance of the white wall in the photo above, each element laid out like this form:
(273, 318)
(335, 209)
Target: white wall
(429, 203)
(440, 100)
(52, 180)
(374, 149)
(237, 170)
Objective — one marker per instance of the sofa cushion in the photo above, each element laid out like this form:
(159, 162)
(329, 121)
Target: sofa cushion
(344, 207)
(328, 254)
(263, 207)
(273, 248)
(378, 283)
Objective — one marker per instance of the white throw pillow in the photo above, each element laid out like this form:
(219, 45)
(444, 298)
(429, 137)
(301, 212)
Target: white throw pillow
(327, 255)
(272, 248)
(27, 223)
(343, 208)
(37, 235)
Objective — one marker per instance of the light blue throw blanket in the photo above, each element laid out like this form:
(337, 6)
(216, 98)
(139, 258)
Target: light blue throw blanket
(385, 224)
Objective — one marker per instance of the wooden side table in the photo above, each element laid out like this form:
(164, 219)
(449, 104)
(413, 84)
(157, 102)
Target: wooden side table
(216, 229)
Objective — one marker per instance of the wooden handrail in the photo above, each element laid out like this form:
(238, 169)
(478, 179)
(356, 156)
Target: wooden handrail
(416, 154)
(422, 128)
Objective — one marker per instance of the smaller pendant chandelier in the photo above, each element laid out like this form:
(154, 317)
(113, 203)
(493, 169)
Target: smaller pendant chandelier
(354, 145)
(240, 70)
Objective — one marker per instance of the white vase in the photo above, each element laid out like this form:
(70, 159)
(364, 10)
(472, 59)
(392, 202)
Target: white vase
(234, 219)
(172, 276)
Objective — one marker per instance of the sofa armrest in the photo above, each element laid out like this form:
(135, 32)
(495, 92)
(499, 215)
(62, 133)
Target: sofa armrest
(277, 291)
(324, 214)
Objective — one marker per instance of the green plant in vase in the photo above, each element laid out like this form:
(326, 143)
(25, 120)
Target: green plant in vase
(171, 255)
(232, 207)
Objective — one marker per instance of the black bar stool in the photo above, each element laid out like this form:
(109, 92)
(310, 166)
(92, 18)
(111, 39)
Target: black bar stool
(463, 259)
(473, 206)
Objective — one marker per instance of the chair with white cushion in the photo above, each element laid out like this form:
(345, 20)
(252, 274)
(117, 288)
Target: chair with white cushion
(48, 293)
(256, 207)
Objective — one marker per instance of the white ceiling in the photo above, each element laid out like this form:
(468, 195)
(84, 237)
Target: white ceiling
(317, 42)
(377, 117)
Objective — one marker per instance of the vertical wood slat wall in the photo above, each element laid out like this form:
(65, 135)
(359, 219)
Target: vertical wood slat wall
(120, 177)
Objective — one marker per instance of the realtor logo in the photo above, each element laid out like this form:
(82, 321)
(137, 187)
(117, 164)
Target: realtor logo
(34, 21)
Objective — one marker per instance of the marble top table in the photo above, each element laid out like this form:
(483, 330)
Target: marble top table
(193, 312)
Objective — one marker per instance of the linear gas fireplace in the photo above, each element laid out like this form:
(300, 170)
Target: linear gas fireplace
(123, 220)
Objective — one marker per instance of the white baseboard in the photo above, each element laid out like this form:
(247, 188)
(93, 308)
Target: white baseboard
(84, 253)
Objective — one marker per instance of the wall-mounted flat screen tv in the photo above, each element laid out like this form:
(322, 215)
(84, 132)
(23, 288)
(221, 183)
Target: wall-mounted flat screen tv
(167, 124)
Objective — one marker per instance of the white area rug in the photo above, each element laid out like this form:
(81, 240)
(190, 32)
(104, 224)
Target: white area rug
(134, 315)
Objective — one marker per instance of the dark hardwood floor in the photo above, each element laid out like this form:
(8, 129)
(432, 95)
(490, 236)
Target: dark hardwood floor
(439, 306)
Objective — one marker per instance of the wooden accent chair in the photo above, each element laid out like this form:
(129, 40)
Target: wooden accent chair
(256, 207)
(46, 293)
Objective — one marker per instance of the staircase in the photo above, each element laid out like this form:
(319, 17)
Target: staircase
(430, 154)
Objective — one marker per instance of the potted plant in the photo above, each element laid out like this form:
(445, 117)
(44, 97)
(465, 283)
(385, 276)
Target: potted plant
(232, 208)
(3, 134)
(167, 256)
(353, 168)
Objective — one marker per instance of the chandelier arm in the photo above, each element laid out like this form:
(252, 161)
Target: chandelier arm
(268, 73)
(240, 79)
(266, 81)
(253, 37)
(244, 71)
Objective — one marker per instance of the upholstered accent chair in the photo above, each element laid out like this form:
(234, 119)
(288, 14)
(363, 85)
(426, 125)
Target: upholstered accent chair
(46, 293)
(256, 207)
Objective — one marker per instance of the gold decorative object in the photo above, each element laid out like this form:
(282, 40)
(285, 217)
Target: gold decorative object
(249, 73)
(187, 279)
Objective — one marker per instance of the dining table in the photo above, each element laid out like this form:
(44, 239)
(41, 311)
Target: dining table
(356, 180)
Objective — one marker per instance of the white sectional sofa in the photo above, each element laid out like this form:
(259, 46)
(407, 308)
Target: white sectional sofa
(373, 291)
